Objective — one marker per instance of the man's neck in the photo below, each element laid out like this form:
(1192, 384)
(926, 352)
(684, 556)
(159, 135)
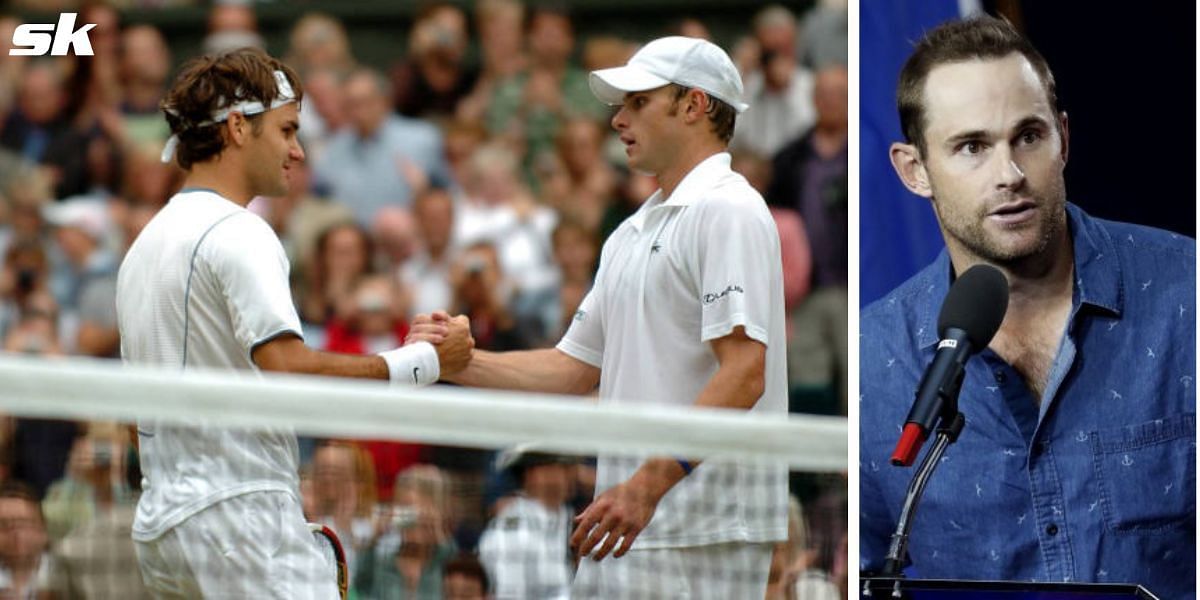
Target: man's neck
(215, 175)
(690, 155)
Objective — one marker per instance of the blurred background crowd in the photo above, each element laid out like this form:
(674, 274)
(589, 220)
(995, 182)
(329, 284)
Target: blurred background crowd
(456, 160)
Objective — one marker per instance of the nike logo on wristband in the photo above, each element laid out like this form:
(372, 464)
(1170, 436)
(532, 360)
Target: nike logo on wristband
(416, 374)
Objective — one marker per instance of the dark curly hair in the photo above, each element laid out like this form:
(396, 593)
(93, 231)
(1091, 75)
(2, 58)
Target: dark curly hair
(211, 82)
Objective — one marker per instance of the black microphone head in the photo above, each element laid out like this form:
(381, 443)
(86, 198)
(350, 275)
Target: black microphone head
(976, 304)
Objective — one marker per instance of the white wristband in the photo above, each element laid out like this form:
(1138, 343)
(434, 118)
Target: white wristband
(414, 364)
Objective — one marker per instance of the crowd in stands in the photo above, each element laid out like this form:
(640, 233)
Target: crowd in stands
(477, 174)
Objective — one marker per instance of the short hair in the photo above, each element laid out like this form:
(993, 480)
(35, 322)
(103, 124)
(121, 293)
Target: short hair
(547, 8)
(977, 38)
(213, 81)
(20, 490)
(469, 566)
(722, 117)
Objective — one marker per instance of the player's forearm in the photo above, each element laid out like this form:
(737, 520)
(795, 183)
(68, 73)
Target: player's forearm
(738, 384)
(546, 370)
(290, 355)
(347, 365)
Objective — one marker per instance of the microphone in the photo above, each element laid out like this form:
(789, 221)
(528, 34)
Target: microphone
(971, 314)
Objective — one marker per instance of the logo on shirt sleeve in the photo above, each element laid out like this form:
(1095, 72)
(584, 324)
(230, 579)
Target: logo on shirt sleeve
(710, 298)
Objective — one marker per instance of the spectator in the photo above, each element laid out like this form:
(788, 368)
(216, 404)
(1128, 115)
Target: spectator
(465, 579)
(323, 112)
(343, 495)
(40, 447)
(232, 24)
(528, 108)
(380, 159)
(502, 49)
(412, 543)
(81, 230)
(811, 178)
(318, 42)
(11, 67)
(342, 256)
(38, 129)
(394, 231)
(25, 565)
(435, 76)
(463, 138)
(94, 486)
(147, 180)
(575, 252)
(97, 326)
(778, 89)
(825, 35)
(373, 320)
(602, 52)
(482, 294)
(23, 273)
(500, 210)
(690, 27)
(144, 68)
(793, 575)
(592, 181)
(427, 274)
(35, 331)
(525, 547)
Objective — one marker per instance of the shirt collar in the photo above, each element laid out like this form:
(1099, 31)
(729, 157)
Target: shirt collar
(690, 189)
(1097, 275)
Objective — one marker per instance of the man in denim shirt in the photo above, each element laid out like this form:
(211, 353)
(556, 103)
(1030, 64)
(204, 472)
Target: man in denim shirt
(1078, 458)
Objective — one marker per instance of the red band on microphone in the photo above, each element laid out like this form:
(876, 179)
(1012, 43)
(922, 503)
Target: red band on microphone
(909, 445)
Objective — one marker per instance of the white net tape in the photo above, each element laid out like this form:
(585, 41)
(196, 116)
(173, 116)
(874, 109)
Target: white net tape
(107, 390)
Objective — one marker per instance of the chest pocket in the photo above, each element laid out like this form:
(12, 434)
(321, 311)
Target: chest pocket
(1147, 474)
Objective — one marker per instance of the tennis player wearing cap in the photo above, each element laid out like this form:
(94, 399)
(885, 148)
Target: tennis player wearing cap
(686, 309)
(205, 285)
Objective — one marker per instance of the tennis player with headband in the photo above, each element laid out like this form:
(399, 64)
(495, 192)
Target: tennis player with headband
(205, 286)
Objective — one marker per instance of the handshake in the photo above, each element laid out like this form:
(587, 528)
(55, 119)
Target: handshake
(450, 336)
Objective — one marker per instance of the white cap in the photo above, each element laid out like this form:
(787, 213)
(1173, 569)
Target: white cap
(690, 62)
(88, 216)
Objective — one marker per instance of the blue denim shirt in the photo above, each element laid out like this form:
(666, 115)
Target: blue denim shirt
(1096, 486)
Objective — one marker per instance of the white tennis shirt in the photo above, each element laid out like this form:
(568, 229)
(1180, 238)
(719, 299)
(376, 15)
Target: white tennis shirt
(204, 283)
(679, 273)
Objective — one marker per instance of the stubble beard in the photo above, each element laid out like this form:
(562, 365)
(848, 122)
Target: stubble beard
(971, 233)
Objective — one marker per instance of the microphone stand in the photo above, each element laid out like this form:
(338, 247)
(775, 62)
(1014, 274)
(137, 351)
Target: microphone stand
(951, 423)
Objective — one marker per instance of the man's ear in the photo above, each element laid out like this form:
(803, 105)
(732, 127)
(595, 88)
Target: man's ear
(696, 105)
(236, 129)
(906, 160)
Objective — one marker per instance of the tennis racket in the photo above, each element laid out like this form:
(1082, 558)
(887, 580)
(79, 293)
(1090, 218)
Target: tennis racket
(331, 548)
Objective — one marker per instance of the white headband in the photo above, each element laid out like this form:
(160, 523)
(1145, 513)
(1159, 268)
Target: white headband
(284, 95)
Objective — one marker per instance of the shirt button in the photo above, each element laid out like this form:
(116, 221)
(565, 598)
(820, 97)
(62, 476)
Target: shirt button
(1052, 529)
(1000, 376)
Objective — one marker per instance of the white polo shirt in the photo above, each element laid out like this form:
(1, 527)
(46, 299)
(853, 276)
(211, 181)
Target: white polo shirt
(679, 273)
(202, 286)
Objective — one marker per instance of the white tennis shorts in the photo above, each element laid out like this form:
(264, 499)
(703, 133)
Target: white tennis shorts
(716, 572)
(256, 545)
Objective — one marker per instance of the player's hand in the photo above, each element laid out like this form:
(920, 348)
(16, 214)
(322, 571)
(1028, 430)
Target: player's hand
(428, 328)
(616, 516)
(455, 351)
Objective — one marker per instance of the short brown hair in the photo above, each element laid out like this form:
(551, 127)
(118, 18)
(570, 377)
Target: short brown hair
(721, 115)
(211, 82)
(976, 38)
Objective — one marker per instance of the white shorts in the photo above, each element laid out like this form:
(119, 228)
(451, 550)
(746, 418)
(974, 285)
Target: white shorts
(716, 572)
(256, 545)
